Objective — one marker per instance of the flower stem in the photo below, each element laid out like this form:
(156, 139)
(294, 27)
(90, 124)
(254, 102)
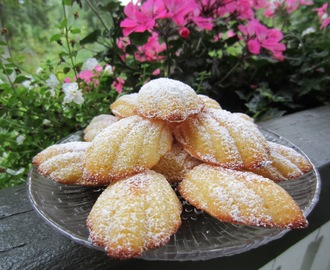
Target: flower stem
(68, 42)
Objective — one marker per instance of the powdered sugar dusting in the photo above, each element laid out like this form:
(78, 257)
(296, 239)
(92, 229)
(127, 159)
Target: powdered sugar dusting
(240, 197)
(135, 214)
(128, 146)
(203, 137)
(250, 142)
(57, 149)
(125, 105)
(168, 99)
(64, 168)
(293, 156)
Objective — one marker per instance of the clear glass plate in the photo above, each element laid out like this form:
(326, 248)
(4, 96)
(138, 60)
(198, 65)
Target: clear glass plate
(200, 237)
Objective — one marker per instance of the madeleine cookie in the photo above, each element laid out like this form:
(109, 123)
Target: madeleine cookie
(168, 99)
(240, 197)
(129, 146)
(135, 214)
(209, 102)
(57, 149)
(63, 163)
(221, 138)
(97, 124)
(176, 163)
(65, 168)
(125, 105)
(285, 164)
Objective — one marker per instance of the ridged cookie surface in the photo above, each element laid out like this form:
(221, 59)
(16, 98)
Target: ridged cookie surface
(57, 149)
(129, 146)
(240, 197)
(285, 164)
(63, 163)
(135, 214)
(125, 105)
(221, 138)
(168, 99)
(97, 124)
(176, 163)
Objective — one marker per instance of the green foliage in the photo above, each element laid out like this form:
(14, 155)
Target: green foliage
(32, 114)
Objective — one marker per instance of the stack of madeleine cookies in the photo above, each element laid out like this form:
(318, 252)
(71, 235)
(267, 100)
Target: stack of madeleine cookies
(164, 136)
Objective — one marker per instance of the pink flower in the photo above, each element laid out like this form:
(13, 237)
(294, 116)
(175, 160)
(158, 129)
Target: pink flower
(118, 84)
(178, 10)
(289, 6)
(196, 17)
(254, 46)
(136, 20)
(258, 4)
(156, 72)
(98, 68)
(150, 51)
(323, 15)
(142, 18)
(257, 36)
(154, 9)
(322, 10)
(184, 32)
(86, 75)
(325, 23)
(242, 8)
(67, 80)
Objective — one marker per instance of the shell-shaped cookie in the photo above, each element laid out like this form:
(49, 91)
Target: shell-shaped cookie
(241, 197)
(204, 138)
(97, 124)
(65, 168)
(63, 163)
(129, 146)
(209, 102)
(135, 214)
(251, 144)
(292, 155)
(125, 105)
(168, 99)
(245, 116)
(285, 164)
(176, 163)
(57, 149)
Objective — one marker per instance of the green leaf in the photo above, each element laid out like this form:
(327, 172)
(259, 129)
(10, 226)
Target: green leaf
(20, 79)
(75, 31)
(66, 70)
(90, 38)
(138, 39)
(64, 23)
(66, 2)
(55, 37)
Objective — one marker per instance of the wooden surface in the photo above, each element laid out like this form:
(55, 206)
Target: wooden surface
(28, 242)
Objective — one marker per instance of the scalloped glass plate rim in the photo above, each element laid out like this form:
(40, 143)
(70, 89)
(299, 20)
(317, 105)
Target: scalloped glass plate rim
(175, 250)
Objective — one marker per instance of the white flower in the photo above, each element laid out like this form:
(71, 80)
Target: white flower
(324, 16)
(46, 122)
(308, 31)
(27, 83)
(20, 139)
(38, 71)
(108, 70)
(52, 82)
(72, 93)
(90, 64)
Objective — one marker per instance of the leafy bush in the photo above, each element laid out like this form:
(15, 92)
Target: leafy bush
(264, 58)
